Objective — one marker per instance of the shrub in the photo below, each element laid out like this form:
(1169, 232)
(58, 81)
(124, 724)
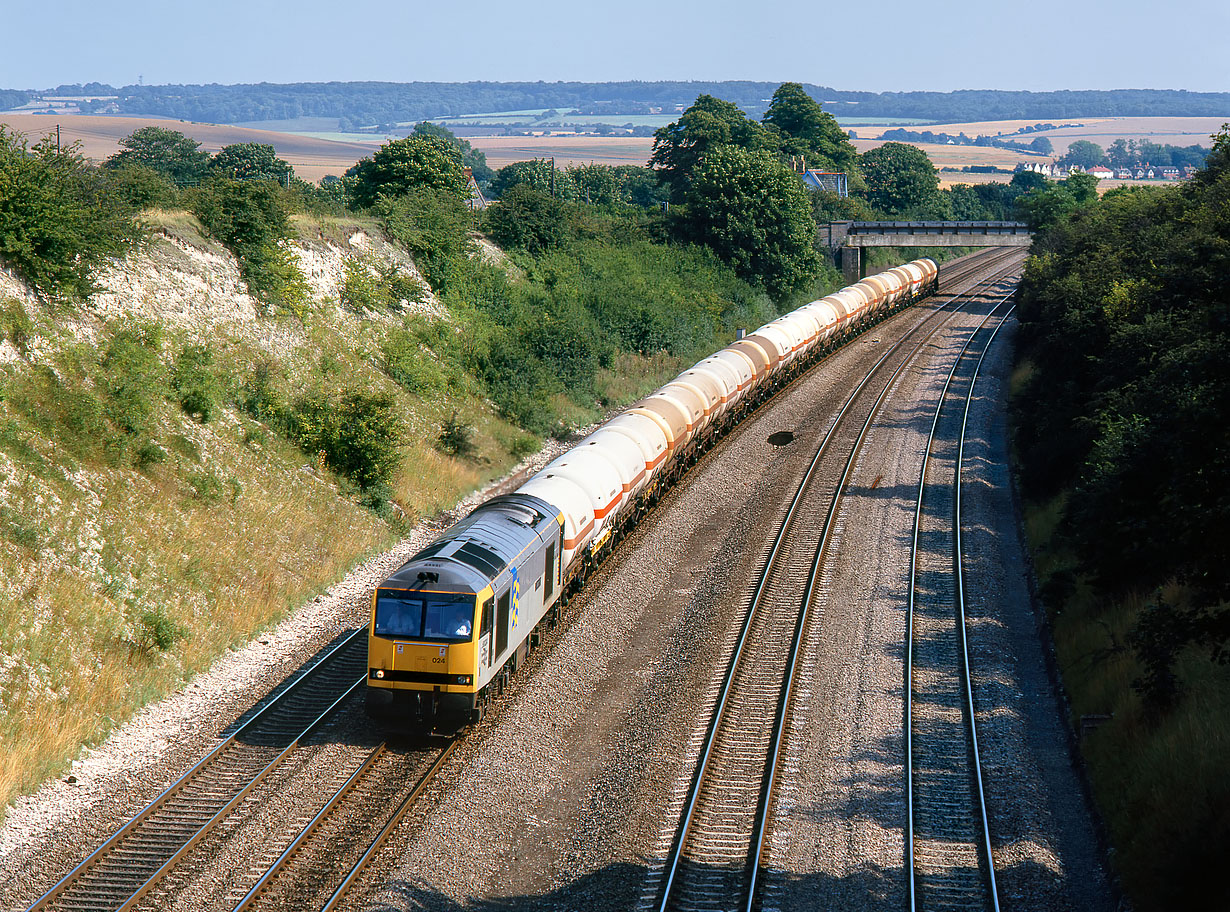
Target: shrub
(60, 219)
(195, 382)
(367, 287)
(526, 218)
(358, 434)
(435, 227)
(205, 486)
(154, 631)
(455, 438)
(134, 378)
(251, 218)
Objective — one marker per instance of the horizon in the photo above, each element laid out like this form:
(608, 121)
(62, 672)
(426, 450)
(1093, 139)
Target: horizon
(1098, 47)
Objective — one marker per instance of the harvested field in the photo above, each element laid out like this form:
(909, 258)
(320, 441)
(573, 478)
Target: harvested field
(99, 136)
(1177, 131)
(566, 150)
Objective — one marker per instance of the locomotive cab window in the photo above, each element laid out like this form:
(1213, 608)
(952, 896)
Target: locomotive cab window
(439, 616)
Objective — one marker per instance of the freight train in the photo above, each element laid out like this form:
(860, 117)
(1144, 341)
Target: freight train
(457, 619)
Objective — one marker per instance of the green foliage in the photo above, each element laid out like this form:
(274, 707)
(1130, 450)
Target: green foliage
(1083, 154)
(368, 286)
(15, 324)
(405, 165)
(474, 159)
(60, 220)
(1127, 400)
(538, 174)
(709, 124)
(526, 219)
(410, 364)
(434, 225)
(169, 153)
(901, 181)
(251, 218)
(133, 376)
(142, 187)
(354, 433)
(808, 131)
(756, 216)
(155, 632)
(251, 161)
(358, 433)
(195, 382)
(455, 438)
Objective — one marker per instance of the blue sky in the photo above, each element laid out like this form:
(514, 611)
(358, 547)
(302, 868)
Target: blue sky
(889, 45)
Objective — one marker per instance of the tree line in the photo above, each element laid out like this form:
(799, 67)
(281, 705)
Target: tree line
(358, 104)
(1124, 447)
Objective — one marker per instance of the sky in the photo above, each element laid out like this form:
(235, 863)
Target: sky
(875, 45)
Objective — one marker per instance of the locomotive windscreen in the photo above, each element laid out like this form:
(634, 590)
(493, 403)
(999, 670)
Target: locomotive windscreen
(438, 616)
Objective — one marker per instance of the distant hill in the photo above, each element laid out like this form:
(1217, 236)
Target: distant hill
(357, 105)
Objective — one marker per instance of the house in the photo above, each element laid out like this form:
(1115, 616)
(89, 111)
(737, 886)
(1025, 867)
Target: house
(832, 181)
(1100, 172)
(1123, 173)
(1168, 172)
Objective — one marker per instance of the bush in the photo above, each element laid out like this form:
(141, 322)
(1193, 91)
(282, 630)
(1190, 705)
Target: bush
(251, 218)
(134, 378)
(195, 382)
(358, 434)
(368, 287)
(455, 438)
(526, 219)
(435, 227)
(60, 219)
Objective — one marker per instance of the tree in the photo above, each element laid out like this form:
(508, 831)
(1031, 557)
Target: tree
(251, 161)
(900, 179)
(753, 212)
(1042, 145)
(707, 125)
(527, 218)
(413, 163)
(808, 130)
(474, 159)
(1120, 154)
(539, 173)
(60, 219)
(1083, 154)
(166, 151)
(1082, 187)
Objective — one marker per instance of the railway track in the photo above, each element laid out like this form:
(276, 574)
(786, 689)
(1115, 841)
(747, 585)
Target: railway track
(135, 859)
(715, 859)
(128, 868)
(329, 854)
(948, 842)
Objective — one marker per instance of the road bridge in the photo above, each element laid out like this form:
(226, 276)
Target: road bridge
(847, 239)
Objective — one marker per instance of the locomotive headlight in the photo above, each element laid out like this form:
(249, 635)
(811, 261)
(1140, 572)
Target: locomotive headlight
(379, 673)
(464, 679)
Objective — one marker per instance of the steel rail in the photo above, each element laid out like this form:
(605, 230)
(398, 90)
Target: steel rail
(775, 551)
(969, 691)
(910, 612)
(405, 805)
(166, 797)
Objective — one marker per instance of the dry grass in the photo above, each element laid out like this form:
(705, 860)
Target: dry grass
(99, 136)
(566, 150)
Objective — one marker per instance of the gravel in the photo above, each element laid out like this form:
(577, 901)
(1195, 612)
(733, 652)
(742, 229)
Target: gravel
(568, 794)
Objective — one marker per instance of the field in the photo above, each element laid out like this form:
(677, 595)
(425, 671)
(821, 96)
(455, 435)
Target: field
(99, 136)
(316, 154)
(1176, 131)
(569, 149)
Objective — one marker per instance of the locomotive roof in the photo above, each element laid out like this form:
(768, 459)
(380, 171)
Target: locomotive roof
(478, 550)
